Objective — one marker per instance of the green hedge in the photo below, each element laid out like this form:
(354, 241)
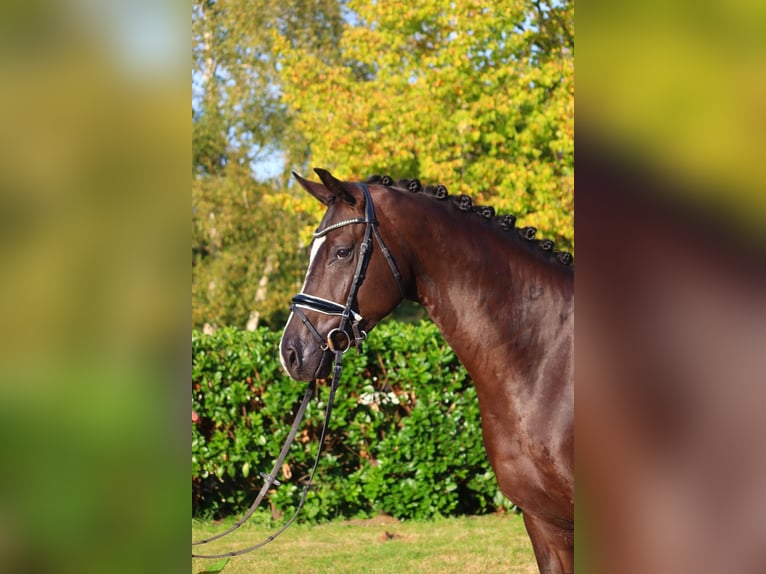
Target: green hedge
(405, 435)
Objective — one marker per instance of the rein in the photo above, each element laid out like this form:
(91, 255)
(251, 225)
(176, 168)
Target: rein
(349, 317)
(271, 478)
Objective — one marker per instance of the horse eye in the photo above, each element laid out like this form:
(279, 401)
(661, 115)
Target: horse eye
(343, 252)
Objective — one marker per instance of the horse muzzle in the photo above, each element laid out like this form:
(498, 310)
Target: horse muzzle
(304, 360)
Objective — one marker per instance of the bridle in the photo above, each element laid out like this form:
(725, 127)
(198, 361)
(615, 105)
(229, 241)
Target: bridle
(348, 317)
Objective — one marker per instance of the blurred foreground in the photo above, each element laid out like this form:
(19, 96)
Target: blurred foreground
(94, 109)
(671, 285)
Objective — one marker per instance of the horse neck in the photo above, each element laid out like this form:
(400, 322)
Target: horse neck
(482, 288)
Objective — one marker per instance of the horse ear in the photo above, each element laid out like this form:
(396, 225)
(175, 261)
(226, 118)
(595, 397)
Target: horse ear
(338, 188)
(316, 189)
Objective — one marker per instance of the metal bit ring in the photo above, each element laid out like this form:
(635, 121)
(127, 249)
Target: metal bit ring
(331, 344)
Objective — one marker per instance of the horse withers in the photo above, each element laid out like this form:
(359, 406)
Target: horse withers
(503, 300)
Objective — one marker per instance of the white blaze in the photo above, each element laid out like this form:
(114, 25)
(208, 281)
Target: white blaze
(315, 246)
(318, 242)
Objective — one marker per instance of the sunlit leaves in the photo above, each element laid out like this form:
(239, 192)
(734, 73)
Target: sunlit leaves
(480, 97)
(391, 446)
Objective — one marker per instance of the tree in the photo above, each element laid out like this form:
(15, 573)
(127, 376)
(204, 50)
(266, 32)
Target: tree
(477, 96)
(247, 236)
(235, 71)
(243, 267)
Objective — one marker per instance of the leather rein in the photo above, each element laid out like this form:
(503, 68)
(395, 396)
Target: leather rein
(348, 318)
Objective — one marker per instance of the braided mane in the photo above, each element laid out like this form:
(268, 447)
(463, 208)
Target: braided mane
(506, 222)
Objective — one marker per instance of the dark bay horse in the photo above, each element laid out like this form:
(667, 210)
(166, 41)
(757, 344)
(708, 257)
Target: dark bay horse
(503, 300)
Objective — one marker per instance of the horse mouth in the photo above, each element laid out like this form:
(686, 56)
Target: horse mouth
(324, 367)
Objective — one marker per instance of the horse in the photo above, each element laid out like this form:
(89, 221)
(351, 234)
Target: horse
(503, 300)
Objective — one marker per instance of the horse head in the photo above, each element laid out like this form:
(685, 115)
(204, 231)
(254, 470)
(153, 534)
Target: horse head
(354, 278)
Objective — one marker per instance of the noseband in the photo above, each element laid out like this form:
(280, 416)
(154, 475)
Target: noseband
(349, 317)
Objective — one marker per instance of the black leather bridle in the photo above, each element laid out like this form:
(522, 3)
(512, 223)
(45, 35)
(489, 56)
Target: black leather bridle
(349, 317)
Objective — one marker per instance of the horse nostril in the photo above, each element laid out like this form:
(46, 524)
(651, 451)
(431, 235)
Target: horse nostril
(293, 359)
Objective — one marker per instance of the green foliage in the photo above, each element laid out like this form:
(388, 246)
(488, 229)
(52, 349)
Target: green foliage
(237, 77)
(246, 249)
(248, 237)
(477, 96)
(405, 435)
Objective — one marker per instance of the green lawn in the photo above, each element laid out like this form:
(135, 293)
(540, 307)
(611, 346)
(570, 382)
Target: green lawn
(468, 545)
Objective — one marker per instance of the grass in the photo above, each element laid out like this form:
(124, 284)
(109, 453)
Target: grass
(466, 545)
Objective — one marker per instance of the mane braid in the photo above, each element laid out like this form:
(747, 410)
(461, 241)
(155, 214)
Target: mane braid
(463, 202)
(486, 211)
(506, 222)
(528, 232)
(546, 245)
